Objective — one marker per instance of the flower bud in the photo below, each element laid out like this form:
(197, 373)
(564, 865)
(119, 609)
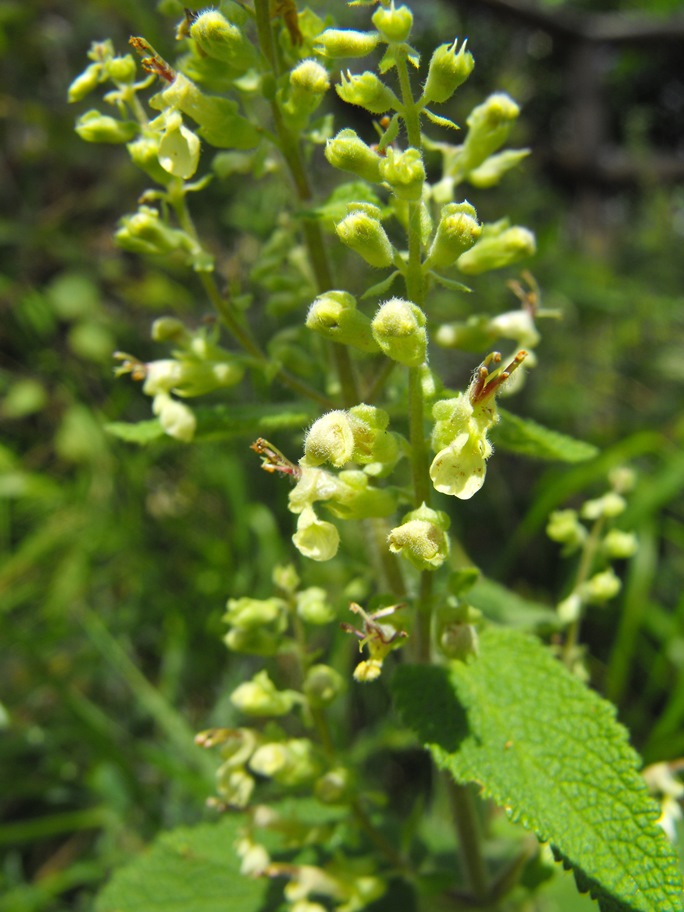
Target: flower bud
(609, 506)
(492, 169)
(176, 419)
(367, 91)
(121, 70)
(85, 82)
(448, 70)
(170, 329)
(399, 329)
(346, 43)
(315, 538)
(269, 759)
(220, 39)
(622, 479)
(472, 335)
(144, 153)
(260, 697)
(101, 128)
(145, 232)
(404, 172)
(421, 538)
(394, 25)
(564, 526)
(322, 685)
(335, 316)
(335, 787)
(256, 613)
(488, 127)
(286, 578)
(367, 237)
(619, 545)
(495, 251)
(313, 606)
(459, 641)
(517, 325)
(260, 641)
(349, 152)
(602, 587)
(290, 763)
(457, 231)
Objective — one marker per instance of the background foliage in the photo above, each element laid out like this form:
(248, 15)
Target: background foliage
(116, 562)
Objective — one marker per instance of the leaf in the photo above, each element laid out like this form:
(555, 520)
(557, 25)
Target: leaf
(502, 605)
(380, 288)
(524, 436)
(441, 121)
(451, 284)
(550, 752)
(141, 432)
(190, 869)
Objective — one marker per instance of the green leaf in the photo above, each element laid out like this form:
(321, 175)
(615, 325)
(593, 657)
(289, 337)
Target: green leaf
(451, 284)
(142, 432)
(191, 869)
(504, 606)
(549, 751)
(521, 435)
(440, 121)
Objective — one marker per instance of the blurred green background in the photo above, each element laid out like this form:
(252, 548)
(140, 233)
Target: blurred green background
(116, 561)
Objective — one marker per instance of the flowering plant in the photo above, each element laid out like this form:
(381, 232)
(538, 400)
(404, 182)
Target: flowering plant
(505, 717)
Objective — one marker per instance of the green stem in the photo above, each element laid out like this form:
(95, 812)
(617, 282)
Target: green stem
(584, 569)
(291, 151)
(470, 839)
(419, 468)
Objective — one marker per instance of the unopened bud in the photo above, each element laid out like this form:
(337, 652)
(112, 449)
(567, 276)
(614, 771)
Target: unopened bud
(144, 153)
(457, 231)
(448, 70)
(564, 526)
(348, 152)
(170, 329)
(260, 697)
(330, 439)
(421, 538)
(498, 250)
(322, 685)
(602, 587)
(334, 787)
(101, 128)
(314, 607)
(609, 506)
(367, 91)
(220, 39)
(404, 172)
(254, 613)
(337, 43)
(121, 70)
(335, 316)
(393, 24)
(85, 82)
(399, 329)
(488, 127)
(619, 545)
(365, 234)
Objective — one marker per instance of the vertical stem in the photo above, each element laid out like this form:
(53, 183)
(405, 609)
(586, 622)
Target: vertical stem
(583, 571)
(313, 238)
(468, 828)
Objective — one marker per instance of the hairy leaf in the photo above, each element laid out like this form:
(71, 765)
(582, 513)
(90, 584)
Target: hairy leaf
(191, 869)
(521, 435)
(550, 752)
(504, 606)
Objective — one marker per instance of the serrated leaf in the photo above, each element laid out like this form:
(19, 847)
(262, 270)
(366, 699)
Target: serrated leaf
(524, 436)
(441, 121)
(191, 869)
(141, 432)
(549, 751)
(504, 606)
